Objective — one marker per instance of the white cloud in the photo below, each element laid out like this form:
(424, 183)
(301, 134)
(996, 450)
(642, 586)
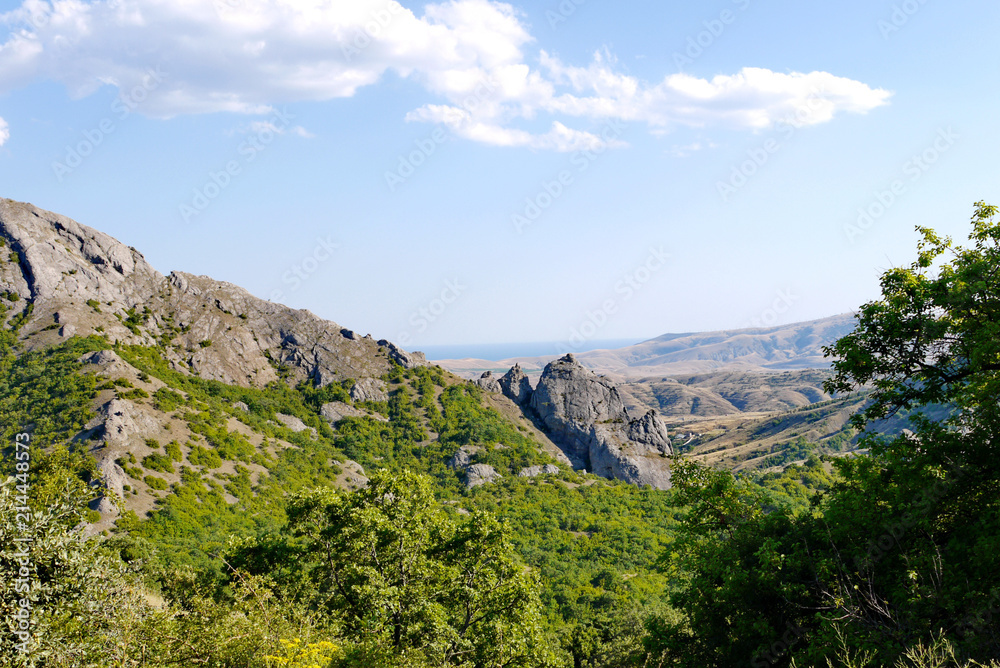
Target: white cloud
(688, 149)
(267, 127)
(247, 55)
(4, 132)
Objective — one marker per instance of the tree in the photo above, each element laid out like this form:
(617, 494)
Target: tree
(934, 336)
(410, 584)
(900, 553)
(919, 520)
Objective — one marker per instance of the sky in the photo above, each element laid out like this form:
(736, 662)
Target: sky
(474, 172)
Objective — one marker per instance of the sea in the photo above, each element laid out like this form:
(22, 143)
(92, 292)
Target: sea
(503, 351)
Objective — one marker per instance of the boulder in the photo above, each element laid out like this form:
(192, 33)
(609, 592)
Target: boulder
(335, 411)
(480, 474)
(535, 471)
(488, 382)
(294, 423)
(462, 458)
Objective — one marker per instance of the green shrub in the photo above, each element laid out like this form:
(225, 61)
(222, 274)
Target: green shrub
(200, 456)
(167, 400)
(155, 483)
(136, 393)
(157, 462)
(173, 450)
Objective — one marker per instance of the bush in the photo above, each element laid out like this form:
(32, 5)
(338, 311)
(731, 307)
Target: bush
(155, 483)
(200, 456)
(157, 462)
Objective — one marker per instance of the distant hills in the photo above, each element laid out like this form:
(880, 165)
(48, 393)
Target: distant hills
(790, 347)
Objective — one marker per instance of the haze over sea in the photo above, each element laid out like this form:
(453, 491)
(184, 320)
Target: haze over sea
(502, 351)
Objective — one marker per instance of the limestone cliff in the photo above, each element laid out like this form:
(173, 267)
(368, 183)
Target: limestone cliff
(585, 416)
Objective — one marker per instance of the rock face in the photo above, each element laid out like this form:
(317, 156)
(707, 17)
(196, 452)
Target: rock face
(489, 382)
(516, 386)
(335, 411)
(87, 282)
(535, 471)
(294, 423)
(369, 389)
(462, 458)
(585, 415)
(480, 474)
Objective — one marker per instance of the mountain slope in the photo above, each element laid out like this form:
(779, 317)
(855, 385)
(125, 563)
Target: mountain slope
(85, 282)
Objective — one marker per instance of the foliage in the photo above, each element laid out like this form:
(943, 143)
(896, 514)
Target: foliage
(41, 393)
(409, 584)
(900, 548)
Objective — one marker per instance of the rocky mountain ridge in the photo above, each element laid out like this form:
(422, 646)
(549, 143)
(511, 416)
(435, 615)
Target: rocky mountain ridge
(84, 282)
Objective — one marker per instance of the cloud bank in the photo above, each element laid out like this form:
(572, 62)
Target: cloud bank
(245, 56)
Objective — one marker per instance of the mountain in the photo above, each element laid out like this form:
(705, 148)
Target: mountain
(779, 348)
(80, 281)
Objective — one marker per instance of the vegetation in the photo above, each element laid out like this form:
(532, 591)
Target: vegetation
(897, 555)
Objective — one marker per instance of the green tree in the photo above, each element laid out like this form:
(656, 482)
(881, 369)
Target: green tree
(899, 552)
(410, 584)
(917, 522)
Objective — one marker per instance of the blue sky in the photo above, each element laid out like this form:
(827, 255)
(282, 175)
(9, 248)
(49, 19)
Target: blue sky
(480, 172)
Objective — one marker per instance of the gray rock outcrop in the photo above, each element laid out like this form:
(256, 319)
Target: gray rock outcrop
(462, 458)
(213, 329)
(335, 411)
(294, 423)
(489, 382)
(516, 386)
(585, 415)
(535, 471)
(369, 389)
(480, 474)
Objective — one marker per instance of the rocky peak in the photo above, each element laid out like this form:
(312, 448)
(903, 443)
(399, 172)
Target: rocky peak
(87, 282)
(569, 392)
(59, 258)
(516, 386)
(584, 414)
